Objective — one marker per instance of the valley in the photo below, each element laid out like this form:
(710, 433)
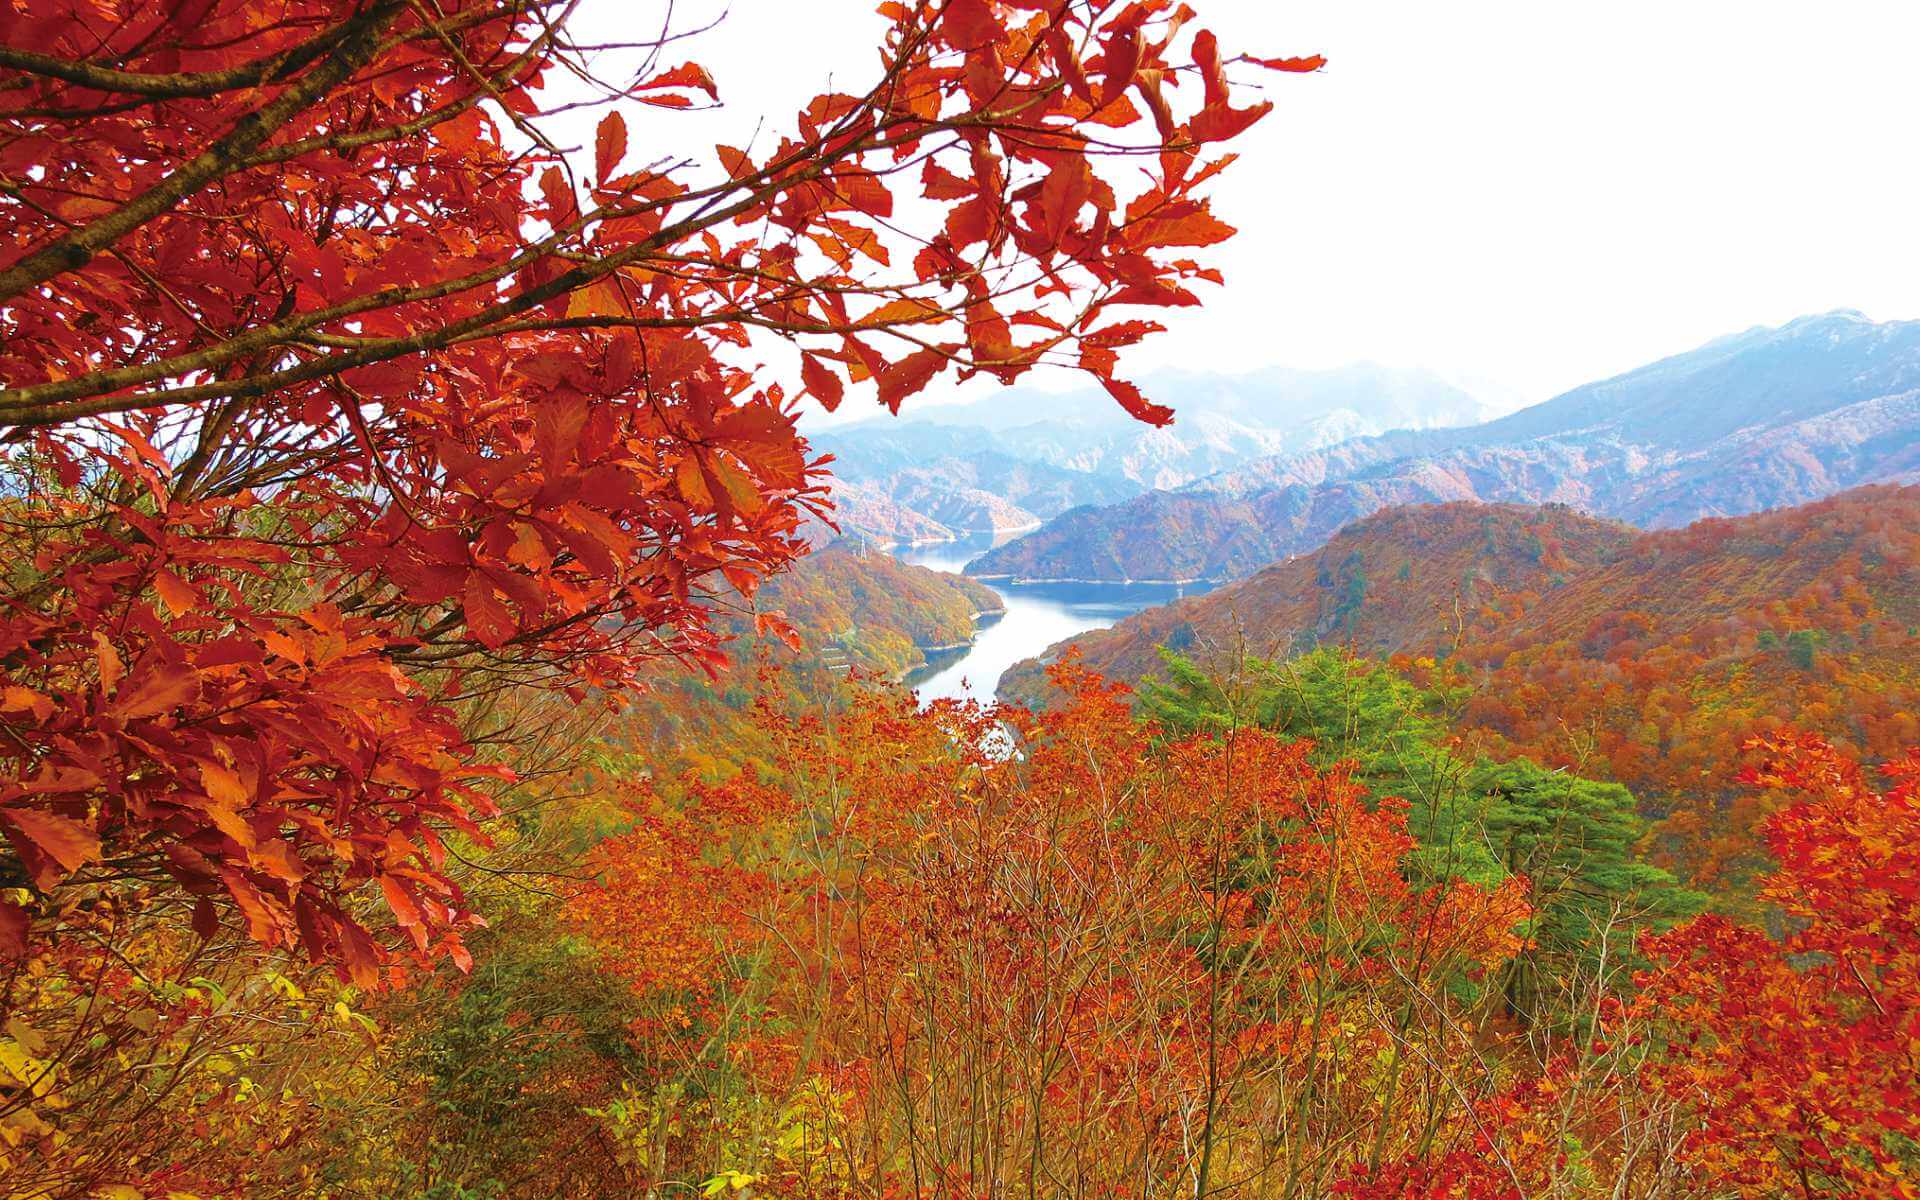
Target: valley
(1033, 617)
(1752, 421)
(1648, 658)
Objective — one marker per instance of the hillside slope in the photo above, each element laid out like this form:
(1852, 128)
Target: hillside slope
(1404, 579)
(1768, 418)
(873, 611)
(1646, 658)
(852, 610)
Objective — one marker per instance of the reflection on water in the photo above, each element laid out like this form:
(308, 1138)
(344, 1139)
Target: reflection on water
(1038, 615)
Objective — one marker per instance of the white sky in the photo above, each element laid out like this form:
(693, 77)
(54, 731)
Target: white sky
(1524, 194)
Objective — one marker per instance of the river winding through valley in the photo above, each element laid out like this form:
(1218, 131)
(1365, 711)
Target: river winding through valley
(1038, 615)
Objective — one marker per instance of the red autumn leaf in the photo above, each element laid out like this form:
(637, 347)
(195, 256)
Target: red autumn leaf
(1066, 189)
(735, 484)
(563, 207)
(773, 624)
(14, 924)
(176, 593)
(1157, 104)
(14, 698)
(821, 381)
(1120, 60)
(557, 423)
(487, 617)
(970, 24)
(112, 667)
(401, 902)
(1310, 63)
(276, 857)
(908, 376)
(63, 840)
(1189, 225)
(609, 145)
(686, 75)
(155, 687)
(1060, 49)
(461, 132)
(736, 162)
(224, 785)
(1136, 404)
(938, 183)
(863, 191)
(601, 299)
(1206, 57)
(1223, 122)
(359, 953)
(988, 335)
(206, 919)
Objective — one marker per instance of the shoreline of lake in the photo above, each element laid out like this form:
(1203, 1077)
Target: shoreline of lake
(1038, 614)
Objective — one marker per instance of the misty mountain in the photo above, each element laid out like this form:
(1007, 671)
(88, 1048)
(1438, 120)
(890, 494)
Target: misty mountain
(1019, 457)
(1763, 419)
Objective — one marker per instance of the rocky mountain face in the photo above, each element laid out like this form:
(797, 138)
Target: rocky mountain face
(1019, 458)
(865, 514)
(1767, 418)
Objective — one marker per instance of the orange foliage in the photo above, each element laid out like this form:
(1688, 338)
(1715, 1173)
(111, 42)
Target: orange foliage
(1656, 669)
(1799, 1052)
(1141, 955)
(1649, 659)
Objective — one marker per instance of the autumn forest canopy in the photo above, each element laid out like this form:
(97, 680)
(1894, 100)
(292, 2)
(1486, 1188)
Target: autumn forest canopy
(450, 751)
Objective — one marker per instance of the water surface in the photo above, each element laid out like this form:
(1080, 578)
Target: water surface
(1038, 615)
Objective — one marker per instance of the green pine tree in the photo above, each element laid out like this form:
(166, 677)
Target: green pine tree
(1354, 711)
(1574, 839)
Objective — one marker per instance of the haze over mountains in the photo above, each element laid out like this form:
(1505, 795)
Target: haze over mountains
(1018, 458)
(1761, 419)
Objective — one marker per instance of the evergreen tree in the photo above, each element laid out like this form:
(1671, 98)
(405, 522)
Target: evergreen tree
(1354, 711)
(1574, 839)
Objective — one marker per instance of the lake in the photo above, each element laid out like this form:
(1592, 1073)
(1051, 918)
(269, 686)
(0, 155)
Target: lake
(1038, 615)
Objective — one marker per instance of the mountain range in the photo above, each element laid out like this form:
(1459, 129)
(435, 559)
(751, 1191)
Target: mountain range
(1017, 458)
(1766, 418)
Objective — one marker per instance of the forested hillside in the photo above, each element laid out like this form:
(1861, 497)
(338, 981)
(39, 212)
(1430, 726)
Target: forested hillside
(884, 614)
(1405, 579)
(1763, 419)
(1648, 658)
(842, 614)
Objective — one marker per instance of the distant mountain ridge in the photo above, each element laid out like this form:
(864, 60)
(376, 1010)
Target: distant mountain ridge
(1767, 418)
(1018, 458)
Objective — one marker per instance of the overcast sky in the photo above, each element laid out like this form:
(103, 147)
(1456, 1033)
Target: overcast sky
(1525, 194)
